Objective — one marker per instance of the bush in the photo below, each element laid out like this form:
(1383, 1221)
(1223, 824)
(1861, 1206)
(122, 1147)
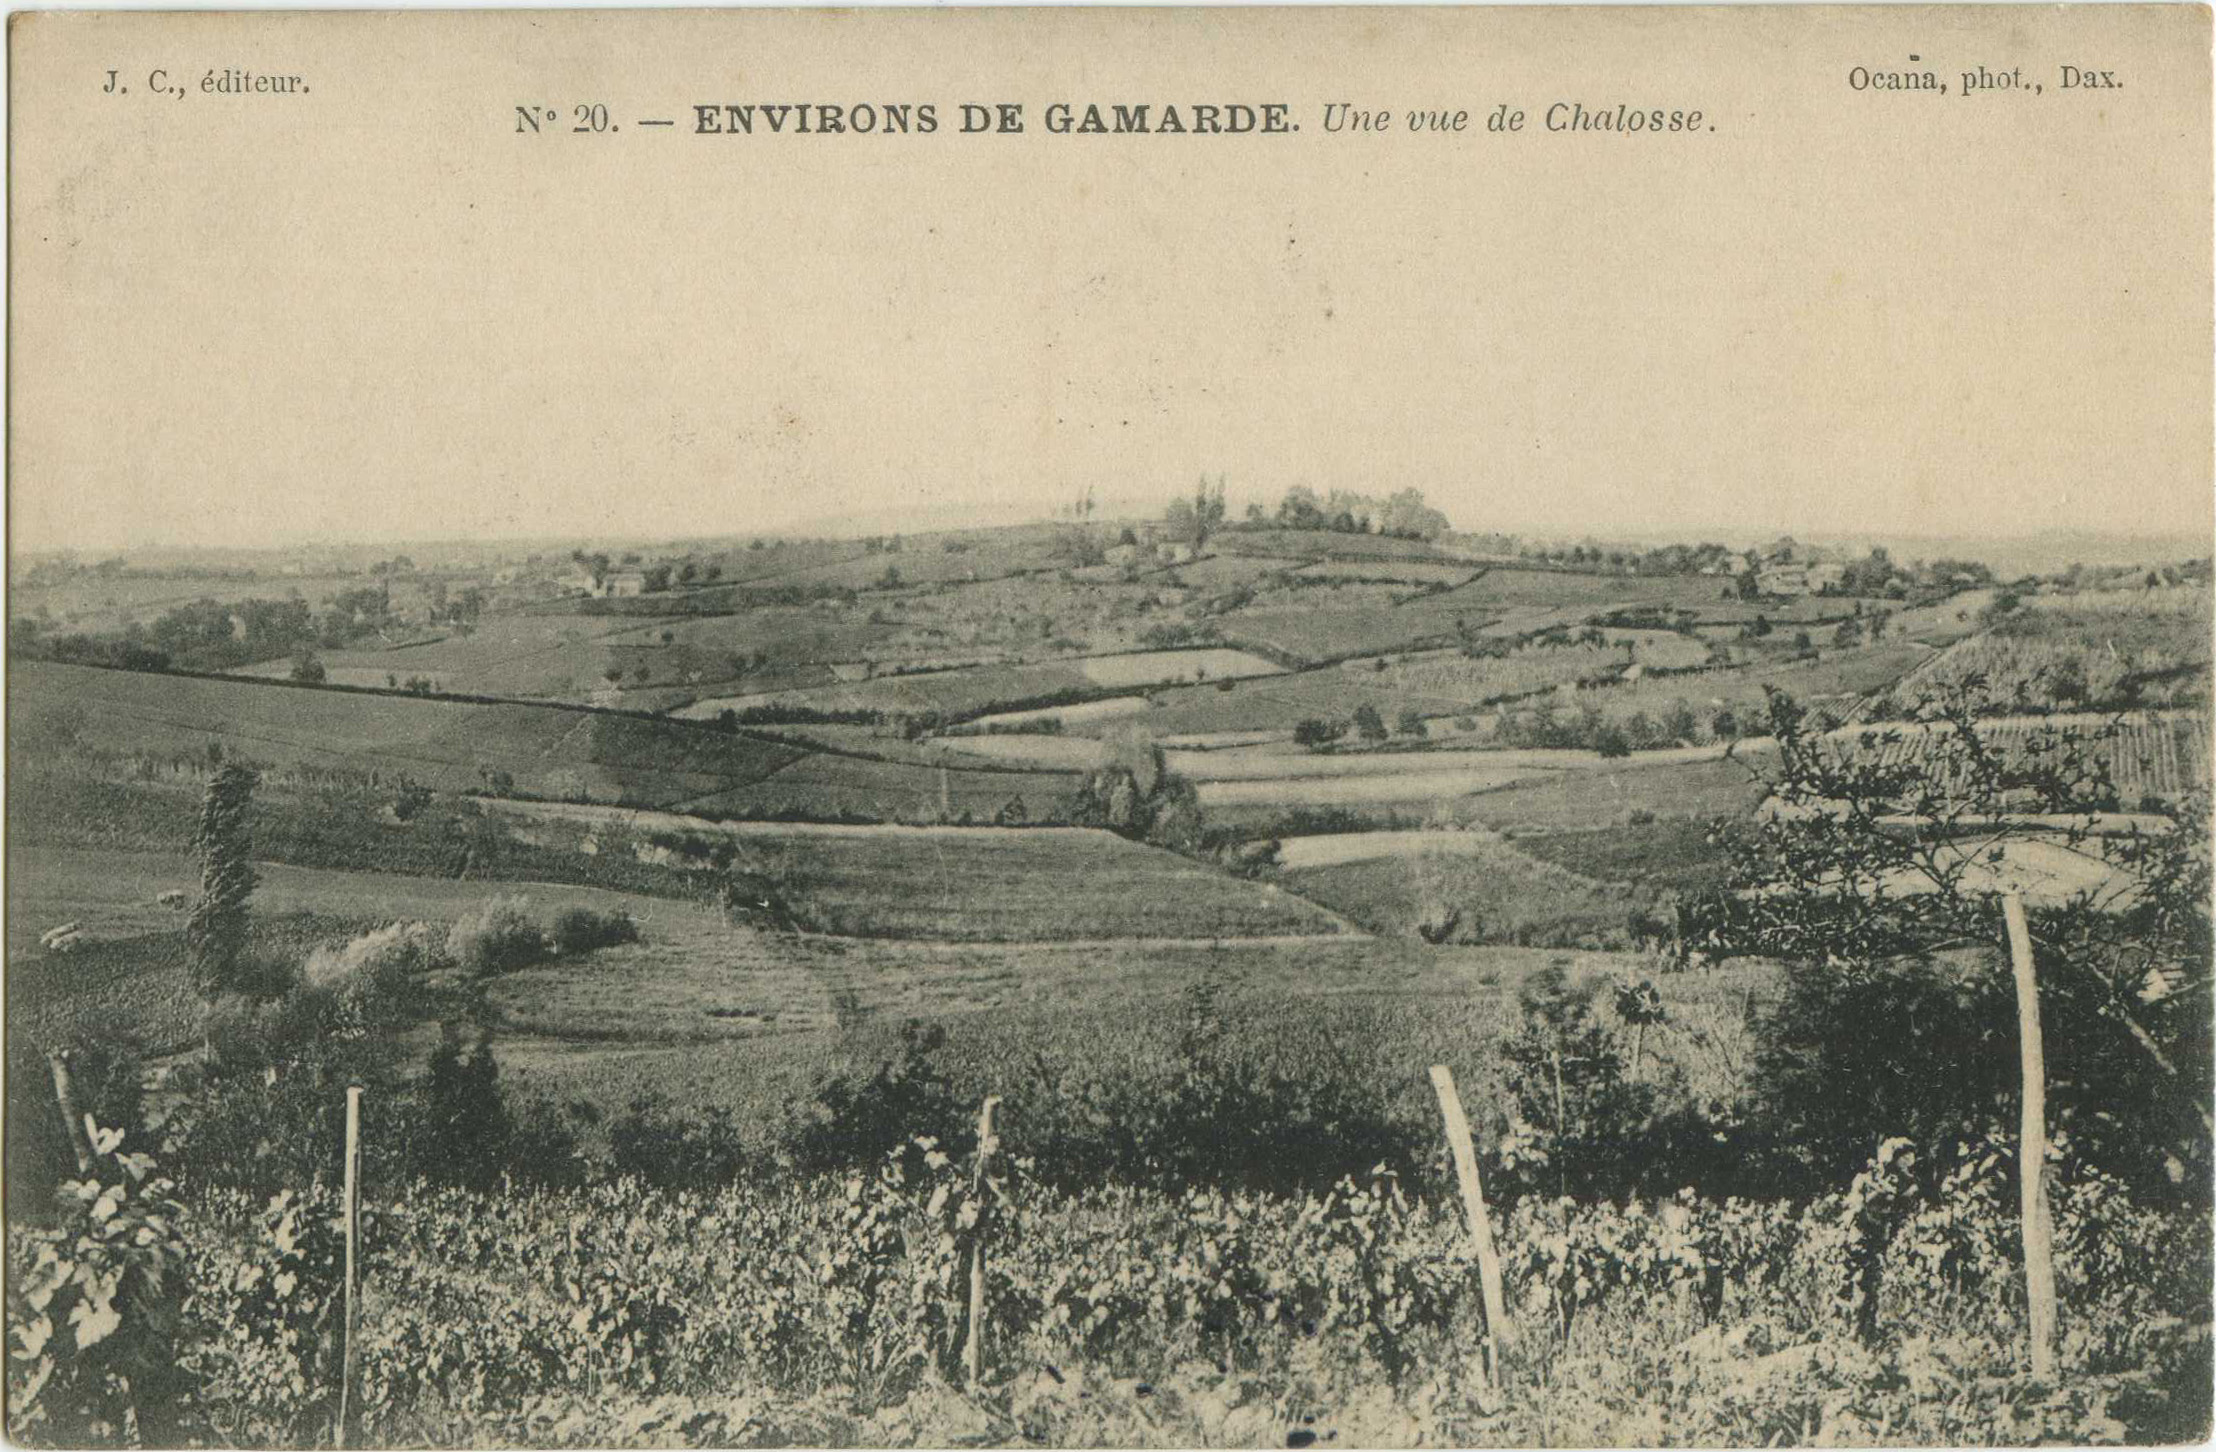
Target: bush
(580, 930)
(375, 977)
(497, 938)
(660, 1146)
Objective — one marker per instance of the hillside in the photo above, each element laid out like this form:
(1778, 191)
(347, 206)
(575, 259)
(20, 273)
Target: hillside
(175, 722)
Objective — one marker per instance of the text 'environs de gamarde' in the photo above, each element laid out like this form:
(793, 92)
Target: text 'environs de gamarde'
(1004, 118)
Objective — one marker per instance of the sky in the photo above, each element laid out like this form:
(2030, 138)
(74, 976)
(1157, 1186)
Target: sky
(376, 312)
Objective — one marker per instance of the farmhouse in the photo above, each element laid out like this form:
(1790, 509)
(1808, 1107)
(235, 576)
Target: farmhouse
(1124, 554)
(1176, 554)
(630, 582)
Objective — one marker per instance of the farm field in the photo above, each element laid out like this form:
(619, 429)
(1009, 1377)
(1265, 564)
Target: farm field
(1613, 792)
(168, 721)
(1404, 788)
(1337, 849)
(549, 657)
(1484, 889)
(1834, 681)
(739, 997)
(1031, 884)
(1218, 573)
(836, 788)
(673, 1037)
(1084, 713)
(445, 744)
(2163, 754)
(976, 690)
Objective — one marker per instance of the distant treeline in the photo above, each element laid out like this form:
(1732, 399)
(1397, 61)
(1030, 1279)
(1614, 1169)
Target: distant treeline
(215, 635)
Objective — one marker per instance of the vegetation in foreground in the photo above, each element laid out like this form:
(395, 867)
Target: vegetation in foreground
(1801, 1257)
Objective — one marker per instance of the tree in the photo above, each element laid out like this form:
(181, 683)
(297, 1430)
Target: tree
(1873, 878)
(1411, 722)
(307, 669)
(215, 933)
(1368, 724)
(656, 579)
(1312, 731)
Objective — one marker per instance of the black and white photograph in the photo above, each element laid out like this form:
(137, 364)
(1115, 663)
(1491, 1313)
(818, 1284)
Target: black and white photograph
(1109, 727)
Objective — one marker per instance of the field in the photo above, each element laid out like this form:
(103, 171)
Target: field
(1484, 890)
(977, 691)
(2076, 651)
(683, 1147)
(2159, 754)
(1835, 680)
(546, 657)
(449, 745)
(1033, 884)
(1405, 787)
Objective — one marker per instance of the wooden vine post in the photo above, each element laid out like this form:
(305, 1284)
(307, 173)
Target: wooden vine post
(65, 1094)
(1498, 1331)
(344, 1437)
(2038, 1227)
(973, 1353)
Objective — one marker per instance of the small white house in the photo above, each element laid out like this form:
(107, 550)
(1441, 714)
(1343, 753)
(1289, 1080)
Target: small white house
(630, 582)
(1124, 554)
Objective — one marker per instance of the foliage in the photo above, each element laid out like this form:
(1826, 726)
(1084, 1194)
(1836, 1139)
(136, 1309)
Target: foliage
(498, 938)
(1122, 1314)
(1873, 874)
(580, 930)
(93, 1309)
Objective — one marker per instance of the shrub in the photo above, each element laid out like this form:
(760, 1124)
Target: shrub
(374, 977)
(580, 930)
(497, 938)
(660, 1146)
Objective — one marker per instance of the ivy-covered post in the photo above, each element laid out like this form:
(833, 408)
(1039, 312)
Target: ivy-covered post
(1498, 1332)
(2032, 1146)
(973, 1353)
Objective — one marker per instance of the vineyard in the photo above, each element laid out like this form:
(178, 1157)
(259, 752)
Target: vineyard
(2146, 754)
(835, 1310)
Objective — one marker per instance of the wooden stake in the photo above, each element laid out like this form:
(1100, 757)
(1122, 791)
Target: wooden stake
(65, 1094)
(2038, 1228)
(973, 1354)
(1498, 1331)
(347, 1350)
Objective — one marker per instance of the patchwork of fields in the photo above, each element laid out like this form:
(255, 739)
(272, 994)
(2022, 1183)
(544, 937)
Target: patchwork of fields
(1466, 842)
(979, 690)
